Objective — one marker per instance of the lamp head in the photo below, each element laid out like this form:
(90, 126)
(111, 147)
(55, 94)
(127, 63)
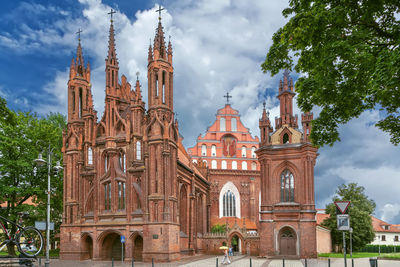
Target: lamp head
(58, 167)
(40, 161)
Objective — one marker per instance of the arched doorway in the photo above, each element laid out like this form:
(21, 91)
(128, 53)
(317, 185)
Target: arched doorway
(111, 247)
(287, 241)
(87, 248)
(236, 244)
(138, 248)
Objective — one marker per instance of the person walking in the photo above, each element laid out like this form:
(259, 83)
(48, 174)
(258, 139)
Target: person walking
(225, 260)
(230, 255)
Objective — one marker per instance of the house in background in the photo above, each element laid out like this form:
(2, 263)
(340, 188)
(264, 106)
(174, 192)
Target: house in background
(385, 233)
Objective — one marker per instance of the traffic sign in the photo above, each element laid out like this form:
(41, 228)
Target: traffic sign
(343, 222)
(42, 225)
(122, 239)
(342, 207)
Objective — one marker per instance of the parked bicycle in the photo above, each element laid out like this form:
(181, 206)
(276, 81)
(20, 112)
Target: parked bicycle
(28, 240)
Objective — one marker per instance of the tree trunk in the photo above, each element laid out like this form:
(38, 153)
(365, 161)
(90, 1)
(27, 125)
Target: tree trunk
(11, 250)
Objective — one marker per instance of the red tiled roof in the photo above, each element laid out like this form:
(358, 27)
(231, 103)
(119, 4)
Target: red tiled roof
(321, 217)
(379, 226)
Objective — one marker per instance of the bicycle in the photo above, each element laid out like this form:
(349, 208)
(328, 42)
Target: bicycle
(29, 240)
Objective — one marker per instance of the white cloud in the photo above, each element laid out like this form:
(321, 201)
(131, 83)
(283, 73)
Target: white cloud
(390, 211)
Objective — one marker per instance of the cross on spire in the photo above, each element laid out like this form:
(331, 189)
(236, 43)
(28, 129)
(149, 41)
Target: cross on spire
(111, 13)
(159, 12)
(79, 34)
(137, 75)
(227, 97)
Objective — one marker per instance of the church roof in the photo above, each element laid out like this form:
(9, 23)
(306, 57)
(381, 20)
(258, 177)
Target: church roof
(227, 110)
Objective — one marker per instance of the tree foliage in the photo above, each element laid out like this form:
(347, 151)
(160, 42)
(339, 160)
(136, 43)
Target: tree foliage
(22, 137)
(360, 211)
(349, 54)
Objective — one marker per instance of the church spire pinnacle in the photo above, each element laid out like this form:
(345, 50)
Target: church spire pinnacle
(111, 60)
(160, 50)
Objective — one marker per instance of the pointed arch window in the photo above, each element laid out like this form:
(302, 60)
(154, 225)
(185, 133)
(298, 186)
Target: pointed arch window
(163, 86)
(106, 162)
(244, 165)
(287, 186)
(223, 165)
(222, 124)
(254, 166)
(90, 156)
(253, 152)
(233, 125)
(203, 150)
(138, 150)
(243, 152)
(213, 164)
(107, 196)
(121, 195)
(234, 165)
(213, 150)
(229, 201)
(122, 161)
(285, 138)
(80, 103)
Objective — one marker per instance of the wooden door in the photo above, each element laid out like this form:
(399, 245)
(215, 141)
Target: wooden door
(287, 242)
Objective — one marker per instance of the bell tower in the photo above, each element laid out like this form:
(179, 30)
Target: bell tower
(161, 228)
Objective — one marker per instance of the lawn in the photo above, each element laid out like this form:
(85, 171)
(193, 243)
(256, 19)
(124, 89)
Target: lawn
(361, 255)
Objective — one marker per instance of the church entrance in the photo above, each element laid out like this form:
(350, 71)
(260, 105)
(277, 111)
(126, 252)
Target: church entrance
(287, 241)
(235, 243)
(112, 247)
(87, 248)
(138, 248)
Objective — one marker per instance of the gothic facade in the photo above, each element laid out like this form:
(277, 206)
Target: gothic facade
(128, 176)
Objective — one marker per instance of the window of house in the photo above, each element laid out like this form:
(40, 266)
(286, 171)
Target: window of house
(287, 186)
(253, 152)
(254, 166)
(229, 204)
(90, 156)
(203, 150)
(244, 165)
(107, 196)
(396, 238)
(383, 238)
(223, 165)
(213, 164)
(222, 124)
(234, 165)
(122, 161)
(138, 150)
(233, 125)
(213, 150)
(121, 195)
(386, 227)
(243, 151)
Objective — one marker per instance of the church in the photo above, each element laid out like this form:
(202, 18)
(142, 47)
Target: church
(130, 184)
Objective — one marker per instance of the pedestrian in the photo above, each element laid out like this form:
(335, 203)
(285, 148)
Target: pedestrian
(225, 260)
(230, 253)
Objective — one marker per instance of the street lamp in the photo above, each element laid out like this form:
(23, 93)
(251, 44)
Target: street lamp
(40, 161)
(351, 243)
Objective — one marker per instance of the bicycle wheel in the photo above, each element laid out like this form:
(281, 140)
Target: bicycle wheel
(30, 241)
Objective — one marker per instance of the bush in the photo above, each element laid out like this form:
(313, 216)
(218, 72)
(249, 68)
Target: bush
(383, 248)
(218, 228)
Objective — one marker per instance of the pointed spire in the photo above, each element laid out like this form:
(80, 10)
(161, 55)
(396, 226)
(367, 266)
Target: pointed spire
(159, 42)
(150, 56)
(265, 114)
(169, 50)
(137, 87)
(285, 79)
(112, 55)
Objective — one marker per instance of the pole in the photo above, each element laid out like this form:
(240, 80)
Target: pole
(344, 248)
(122, 251)
(47, 262)
(351, 242)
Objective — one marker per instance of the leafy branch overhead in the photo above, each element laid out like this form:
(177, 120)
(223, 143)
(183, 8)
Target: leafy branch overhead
(349, 54)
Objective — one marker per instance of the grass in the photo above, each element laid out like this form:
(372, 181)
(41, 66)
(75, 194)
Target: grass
(362, 255)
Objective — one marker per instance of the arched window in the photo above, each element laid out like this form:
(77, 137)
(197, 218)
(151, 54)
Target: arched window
(287, 186)
(90, 156)
(138, 150)
(213, 150)
(203, 150)
(213, 164)
(285, 138)
(234, 165)
(106, 162)
(229, 201)
(205, 162)
(223, 165)
(107, 196)
(233, 125)
(121, 195)
(222, 124)
(122, 161)
(254, 166)
(244, 165)
(194, 161)
(243, 152)
(253, 152)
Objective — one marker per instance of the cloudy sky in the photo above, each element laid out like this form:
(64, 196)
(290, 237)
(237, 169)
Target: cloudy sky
(218, 48)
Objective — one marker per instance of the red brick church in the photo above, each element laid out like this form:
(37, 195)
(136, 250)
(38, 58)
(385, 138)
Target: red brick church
(127, 174)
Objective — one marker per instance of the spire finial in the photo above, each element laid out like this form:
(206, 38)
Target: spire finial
(137, 75)
(227, 97)
(159, 12)
(79, 34)
(264, 104)
(286, 73)
(111, 14)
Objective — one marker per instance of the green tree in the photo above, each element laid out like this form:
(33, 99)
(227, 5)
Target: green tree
(22, 137)
(360, 211)
(349, 54)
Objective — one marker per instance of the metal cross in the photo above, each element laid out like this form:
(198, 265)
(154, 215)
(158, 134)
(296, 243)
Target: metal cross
(159, 11)
(79, 34)
(137, 75)
(111, 13)
(227, 97)
(264, 104)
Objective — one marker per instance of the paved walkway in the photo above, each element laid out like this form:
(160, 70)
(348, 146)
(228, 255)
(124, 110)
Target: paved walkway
(238, 261)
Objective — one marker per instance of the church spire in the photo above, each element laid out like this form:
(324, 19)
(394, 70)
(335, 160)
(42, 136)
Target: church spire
(111, 60)
(160, 50)
(286, 95)
(265, 127)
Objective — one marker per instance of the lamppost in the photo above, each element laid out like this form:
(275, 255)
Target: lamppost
(40, 161)
(351, 243)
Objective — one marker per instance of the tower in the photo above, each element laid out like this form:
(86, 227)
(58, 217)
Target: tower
(287, 159)
(161, 228)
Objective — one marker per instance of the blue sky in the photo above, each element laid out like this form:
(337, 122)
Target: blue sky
(218, 48)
